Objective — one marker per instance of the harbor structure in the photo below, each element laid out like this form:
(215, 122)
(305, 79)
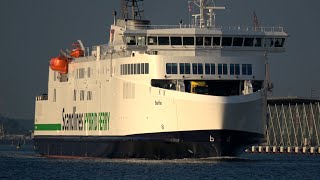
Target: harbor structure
(292, 126)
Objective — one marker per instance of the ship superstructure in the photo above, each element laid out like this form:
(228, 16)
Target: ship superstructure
(185, 91)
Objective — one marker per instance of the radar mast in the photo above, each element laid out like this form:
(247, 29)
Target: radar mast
(206, 16)
(132, 9)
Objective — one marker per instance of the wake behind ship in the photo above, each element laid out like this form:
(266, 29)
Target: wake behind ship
(159, 91)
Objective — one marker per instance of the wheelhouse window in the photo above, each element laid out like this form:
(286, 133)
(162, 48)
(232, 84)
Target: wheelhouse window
(226, 41)
(279, 42)
(152, 40)
(184, 68)
(176, 41)
(207, 41)
(197, 68)
(258, 42)
(268, 42)
(199, 41)
(248, 42)
(163, 41)
(216, 41)
(171, 68)
(188, 41)
(237, 41)
(141, 40)
(131, 40)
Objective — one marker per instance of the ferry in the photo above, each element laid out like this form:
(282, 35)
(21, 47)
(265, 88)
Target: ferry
(192, 90)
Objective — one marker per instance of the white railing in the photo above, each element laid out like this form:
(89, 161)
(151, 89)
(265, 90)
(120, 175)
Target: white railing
(234, 28)
(42, 97)
(255, 29)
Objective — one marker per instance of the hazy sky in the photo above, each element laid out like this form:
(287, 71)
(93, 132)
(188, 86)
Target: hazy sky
(33, 31)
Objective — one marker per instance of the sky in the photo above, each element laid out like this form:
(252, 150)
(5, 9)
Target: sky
(33, 31)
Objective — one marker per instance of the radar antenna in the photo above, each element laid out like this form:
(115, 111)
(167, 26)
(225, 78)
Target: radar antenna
(132, 9)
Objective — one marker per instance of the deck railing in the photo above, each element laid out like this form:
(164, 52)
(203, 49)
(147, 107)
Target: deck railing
(234, 28)
(42, 97)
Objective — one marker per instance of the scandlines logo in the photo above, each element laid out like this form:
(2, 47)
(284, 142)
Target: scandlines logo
(85, 121)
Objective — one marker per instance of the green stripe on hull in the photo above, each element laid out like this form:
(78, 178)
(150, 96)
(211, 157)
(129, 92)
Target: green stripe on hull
(47, 127)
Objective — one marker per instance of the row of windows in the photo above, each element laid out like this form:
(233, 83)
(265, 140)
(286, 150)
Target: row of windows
(209, 68)
(81, 73)
(82, 95)
(205, 41)
(138, 68)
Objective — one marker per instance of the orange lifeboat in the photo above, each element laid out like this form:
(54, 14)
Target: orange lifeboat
(77, 50)
(59, 64)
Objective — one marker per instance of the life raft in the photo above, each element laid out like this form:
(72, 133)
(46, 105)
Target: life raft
(59, 64)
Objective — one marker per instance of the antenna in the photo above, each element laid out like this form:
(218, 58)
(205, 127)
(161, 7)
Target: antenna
(132, 9)
(256, 24)
(206, 13)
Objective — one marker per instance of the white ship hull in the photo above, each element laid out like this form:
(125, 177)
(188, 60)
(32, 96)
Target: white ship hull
(154, 125)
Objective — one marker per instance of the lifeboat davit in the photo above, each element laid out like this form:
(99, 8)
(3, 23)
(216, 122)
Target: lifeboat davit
(75, 53)
(59, 64)
(78, 49)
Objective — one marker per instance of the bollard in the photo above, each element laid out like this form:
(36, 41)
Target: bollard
(268, 149)
(253, 149)
(260, 149)
(281, 149)
(318, 150)
(304, 150)
(311, 150)
(289, 149)
(274, 149)
(296, 149)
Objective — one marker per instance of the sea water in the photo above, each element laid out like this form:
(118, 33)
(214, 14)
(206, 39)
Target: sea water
(24, 163)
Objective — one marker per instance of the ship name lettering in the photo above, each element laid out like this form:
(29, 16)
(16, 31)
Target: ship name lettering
(158, 103)
(72, 121)
(211, 138)
(85, 121)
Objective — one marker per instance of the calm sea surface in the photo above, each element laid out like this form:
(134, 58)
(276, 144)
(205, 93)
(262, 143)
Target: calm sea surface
(25, 164)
